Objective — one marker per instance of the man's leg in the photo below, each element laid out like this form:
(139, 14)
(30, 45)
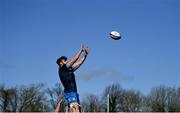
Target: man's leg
(73, 100)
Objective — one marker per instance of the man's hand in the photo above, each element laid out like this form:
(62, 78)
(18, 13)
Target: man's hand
(76, 57)
(81, 48)
(87, 50)
(83, 58)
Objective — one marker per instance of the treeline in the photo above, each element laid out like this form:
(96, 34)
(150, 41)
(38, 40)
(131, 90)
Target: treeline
(38, 98)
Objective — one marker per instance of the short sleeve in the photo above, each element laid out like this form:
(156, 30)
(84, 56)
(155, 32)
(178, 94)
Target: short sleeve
(67, 65)
(71, 68)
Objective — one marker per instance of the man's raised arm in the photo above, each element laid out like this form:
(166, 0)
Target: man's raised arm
(78, 63)
(76, 57)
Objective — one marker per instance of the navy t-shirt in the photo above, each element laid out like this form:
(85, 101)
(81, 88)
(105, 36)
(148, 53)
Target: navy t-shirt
(67, 77)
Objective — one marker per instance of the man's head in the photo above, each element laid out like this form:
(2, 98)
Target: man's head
(62, 60)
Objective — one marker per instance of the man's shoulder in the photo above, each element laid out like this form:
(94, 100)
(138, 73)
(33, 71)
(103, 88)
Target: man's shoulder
(62, 67)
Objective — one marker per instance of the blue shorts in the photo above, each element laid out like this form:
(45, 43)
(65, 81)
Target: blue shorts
(72, 97)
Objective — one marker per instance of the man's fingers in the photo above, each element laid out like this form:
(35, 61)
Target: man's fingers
(87, 49)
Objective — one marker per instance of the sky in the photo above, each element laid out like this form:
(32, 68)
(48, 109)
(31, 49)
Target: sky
(34, 33)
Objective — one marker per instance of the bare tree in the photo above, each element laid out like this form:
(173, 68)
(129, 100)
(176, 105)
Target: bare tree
(23, 99)
(6, 98)
(34, 98)
(173, 100)
(121, 100)
(130, 101)
(91, 103)
(54, 94)
(115, 94)
(164, 99)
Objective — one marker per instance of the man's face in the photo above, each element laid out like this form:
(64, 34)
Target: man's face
(63, 61)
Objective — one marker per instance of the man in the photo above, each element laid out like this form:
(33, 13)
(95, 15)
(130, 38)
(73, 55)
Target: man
(67, 76)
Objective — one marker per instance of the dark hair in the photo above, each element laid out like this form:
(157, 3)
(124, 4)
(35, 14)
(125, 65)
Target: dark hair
(60, 59)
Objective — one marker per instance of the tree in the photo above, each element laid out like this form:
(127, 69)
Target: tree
(36, 98)
(23, 99)
(53, 95)
(32, 98)
(164, 99)
(91, 103)
(6, 100)
(121, 100)
(130, 101)
(173, 100)
(115, 94)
